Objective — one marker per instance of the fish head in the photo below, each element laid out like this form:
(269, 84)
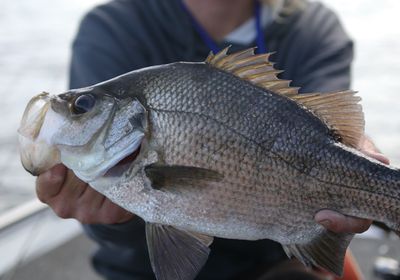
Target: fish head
(88, 130)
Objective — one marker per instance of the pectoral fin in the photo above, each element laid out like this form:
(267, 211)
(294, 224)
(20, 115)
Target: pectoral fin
(327, 251)
(176, 175)
(176, 254)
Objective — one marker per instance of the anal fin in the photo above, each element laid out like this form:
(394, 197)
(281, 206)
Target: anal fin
(327, 251)
(176, 254)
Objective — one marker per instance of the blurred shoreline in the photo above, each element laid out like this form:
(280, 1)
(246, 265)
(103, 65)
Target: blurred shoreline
(35, 49)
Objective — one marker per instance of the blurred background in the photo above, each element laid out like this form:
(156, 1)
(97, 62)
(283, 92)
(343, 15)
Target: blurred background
(35, 40)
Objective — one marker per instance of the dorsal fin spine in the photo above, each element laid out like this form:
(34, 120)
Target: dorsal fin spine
(340, 111)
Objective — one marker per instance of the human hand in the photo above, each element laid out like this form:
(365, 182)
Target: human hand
(70, 197)
(339, 223)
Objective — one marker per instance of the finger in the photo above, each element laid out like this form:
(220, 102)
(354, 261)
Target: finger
(84, 208)
(49, 184)
(65, 203)
(73, 187)
(92, 198)
(339, 223)
(114, 214)
(378, 156)
(87, 207)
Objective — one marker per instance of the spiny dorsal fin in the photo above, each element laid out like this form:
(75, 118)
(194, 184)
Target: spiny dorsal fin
(340, 111)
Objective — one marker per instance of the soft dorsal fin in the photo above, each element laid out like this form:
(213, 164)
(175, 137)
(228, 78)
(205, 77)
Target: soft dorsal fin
(340, 111)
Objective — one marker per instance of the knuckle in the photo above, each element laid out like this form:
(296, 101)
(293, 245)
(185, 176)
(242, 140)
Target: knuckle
(53, 180)
(46, 190)
(63, 211)
(48, 178)
(41, 196)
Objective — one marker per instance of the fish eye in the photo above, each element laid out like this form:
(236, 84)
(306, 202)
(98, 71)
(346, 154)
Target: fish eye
(83, 104)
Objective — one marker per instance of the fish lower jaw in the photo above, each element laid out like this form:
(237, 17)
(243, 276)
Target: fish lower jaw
(114, 168)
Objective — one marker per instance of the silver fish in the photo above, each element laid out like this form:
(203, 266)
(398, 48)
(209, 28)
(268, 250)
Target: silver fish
(222, 148)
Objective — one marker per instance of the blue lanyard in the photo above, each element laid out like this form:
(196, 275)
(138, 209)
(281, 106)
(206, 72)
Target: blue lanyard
(261, 47)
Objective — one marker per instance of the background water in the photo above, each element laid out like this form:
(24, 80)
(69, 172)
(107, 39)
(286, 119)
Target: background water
(35, 39)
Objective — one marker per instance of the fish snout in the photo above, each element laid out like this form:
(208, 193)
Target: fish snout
(36, 154)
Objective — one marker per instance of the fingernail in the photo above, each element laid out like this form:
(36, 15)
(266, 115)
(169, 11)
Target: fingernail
(325, 223)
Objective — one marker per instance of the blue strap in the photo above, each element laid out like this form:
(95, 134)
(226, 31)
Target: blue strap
(261, 47)
(203, 34)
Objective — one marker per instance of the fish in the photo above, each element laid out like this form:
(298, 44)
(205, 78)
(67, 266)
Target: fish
(220, 148)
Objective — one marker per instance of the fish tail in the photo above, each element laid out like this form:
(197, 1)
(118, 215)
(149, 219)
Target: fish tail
(370, 189)
(386, 197)
(394, 207)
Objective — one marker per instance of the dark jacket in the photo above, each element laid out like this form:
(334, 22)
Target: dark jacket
(311, 47)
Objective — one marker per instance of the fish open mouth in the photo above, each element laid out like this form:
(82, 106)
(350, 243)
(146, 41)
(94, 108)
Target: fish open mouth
(123, 165)
(129, 158)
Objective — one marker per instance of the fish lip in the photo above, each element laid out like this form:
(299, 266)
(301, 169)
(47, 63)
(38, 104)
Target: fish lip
(37, 154)
(33, 116)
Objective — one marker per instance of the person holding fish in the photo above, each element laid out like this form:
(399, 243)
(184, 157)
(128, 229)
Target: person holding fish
(308, 43)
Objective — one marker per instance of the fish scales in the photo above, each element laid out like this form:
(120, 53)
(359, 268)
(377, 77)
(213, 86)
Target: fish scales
(221, 155)
(286, 147)
(188, 153)
(219, 201)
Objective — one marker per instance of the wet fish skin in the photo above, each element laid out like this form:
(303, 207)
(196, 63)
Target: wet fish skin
(224, 157)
